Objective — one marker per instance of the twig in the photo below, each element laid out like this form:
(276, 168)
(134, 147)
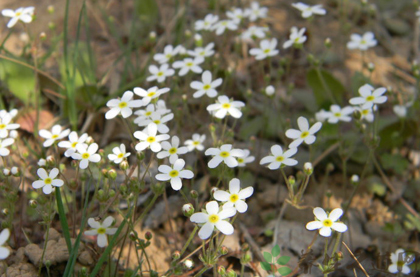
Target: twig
(325, 153)
(357, 261)
(254, 246)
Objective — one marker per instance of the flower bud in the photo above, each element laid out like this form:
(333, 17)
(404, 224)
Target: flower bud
(291, 180)
(188, 209)
(189, 264)
(104, 172)
(50, 9)
(194, 194)
(371, 67)
(231, 273)
(111, 193)
(51, 25)
(50, 161)
(5, 211)
(213, 190)
(355, 179)
(152, 36)
(221, 270)
(148, 235)
(112, 174)
(13, 134)
(328, 193)
(176, 255)
(270, 90)
(330, 167)
(140, 156)
(132, 236)
(223, 250)
(6, 172)
(328, 43)
(33, 203)
(42, 35)
(308, 169)
(84, 271)
(124, 165)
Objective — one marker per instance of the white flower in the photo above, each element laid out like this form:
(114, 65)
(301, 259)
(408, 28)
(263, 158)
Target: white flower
(254, 32)
(322, 115)
(71, 144)
(270, 90)
(189, 64)
(362, 42)
(168, 53)
(86, 155)
(174, 173)
(224, 154)
(207, 23)
(267, 49)
(235, 197)
(256, 11)
(6, 125)
(236, 14)
(11, 113)
(3, 144)
(326, 222)
(171, 150)
(400, 262)
(4, 251)
(47, 180)
(222, 25)
(224, 106)
(278, 158)
(245, 159)
(160, 73)
(308, 11)
(150, 94)
(211, 217)
(54, 135)
(101, 230)
(148, 138)
(208, 86)
(369, 96)
(304, 134)
(150, 109)
(119, 154)
(400, 110)
(123, 105)
(296, 37)
(337, 113)
(366, 114)
(196, 142)
(202, 52)
(159, 120)
(22, 14)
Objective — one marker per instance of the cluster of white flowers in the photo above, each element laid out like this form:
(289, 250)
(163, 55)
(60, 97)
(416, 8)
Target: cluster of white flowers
(8, 131)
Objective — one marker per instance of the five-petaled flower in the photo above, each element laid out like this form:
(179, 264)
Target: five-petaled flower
(3, 144)
(196, 142)
(207, 86)
(174, 174)
(235, 197)
(224, 106)
(47, 180)
(73, 141)
(189, 64)
(224, 154)
(149, 138)
(337, 113)
(86, 155)
(296, 38)
(160, 73)
(101, 230)
(23, 14)
(362, 42)
(279, 158)
(308, 11)
(54, 135)
(326, 222)
(172, 150)
(369, 96)
(123, 105)
(304, 134)
(245, 159)
(150, 94)
(267, 49)
(6, 125)
(119, 154)
(211, 218)
(400, 262)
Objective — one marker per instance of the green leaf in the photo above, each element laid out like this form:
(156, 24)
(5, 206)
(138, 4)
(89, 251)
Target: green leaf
(275, 251)
(325, 87)
(284, 271)
(63, 219)
(19, 79)
(267, 257)
(394, 162)
(266, 266)
(283, 260)
(395, 134)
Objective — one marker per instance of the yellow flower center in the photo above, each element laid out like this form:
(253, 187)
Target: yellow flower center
(18, 13)
(202, 53)
(54, 136)
(240, 160)
(400, 263)
(196, 142)
(233, 198)
(327, 223)
(224, 23)
(48, 181)
(365, 112)
(172, 150)
(122, 105)
(73, 145)
(101, 230)
(280, 158)
(224, 154)
(85, 155)
(370, 98)
(189, 64)
(120, 155)
(304, 134)
(2, 126)
(174, 173)
(148, 113)
(267, 51)
(226, 106)
(151, 139)
(168, 56)
(150, 94)
(337, 114)
(214, 218)
(160, 73)
(363, 41)
(206, 87)
(157, 122)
